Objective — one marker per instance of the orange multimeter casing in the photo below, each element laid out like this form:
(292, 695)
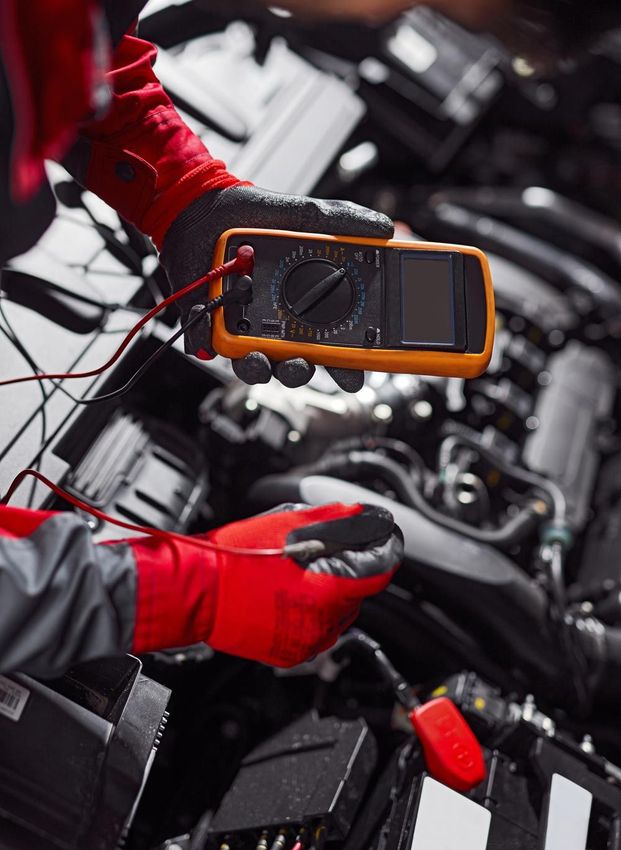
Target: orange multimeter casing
(356, 303)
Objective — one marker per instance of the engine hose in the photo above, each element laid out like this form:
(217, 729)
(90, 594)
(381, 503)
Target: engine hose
(371, 442)
(472, 440)
(352, 464)
(552, 558)
(609, 660)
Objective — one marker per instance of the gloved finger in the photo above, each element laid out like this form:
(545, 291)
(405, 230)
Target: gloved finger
(254, 368)
(358, 546)
(271, 530)
(251, 206)
(197, 338)
(348, 380)
(349, 219)
(366, 532)
(293, 373)
(286, 507)
(365, 527)
(376, 561)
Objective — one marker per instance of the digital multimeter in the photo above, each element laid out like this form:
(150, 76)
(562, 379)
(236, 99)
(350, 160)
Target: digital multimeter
(367, 304)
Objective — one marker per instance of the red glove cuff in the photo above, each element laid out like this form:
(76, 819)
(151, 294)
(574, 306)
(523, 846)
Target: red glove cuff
(144, 160)
(176, 594)
(21, 522)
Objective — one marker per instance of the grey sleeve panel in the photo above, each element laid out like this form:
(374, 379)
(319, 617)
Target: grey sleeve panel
(63, 599)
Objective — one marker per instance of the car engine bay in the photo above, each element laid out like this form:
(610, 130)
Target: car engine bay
(507, 488)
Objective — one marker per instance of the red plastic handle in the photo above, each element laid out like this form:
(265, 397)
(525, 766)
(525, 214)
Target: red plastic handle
(452, 753)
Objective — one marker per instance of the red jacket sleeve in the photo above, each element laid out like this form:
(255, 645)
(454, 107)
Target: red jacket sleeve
(143, 160)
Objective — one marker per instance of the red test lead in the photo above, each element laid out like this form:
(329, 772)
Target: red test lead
(241, 264)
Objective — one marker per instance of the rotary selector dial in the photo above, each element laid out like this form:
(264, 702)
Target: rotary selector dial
(318, 292)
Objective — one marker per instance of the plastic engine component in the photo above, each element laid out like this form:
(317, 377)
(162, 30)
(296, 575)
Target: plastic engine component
(313, 772)
(579, 397)
(142, 471)
(76, 753)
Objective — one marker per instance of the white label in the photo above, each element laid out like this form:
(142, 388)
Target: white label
(448, 821)
(13, 698)
(568, 815)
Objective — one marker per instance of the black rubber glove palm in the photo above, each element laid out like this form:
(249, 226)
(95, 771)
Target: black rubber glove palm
(189, 245)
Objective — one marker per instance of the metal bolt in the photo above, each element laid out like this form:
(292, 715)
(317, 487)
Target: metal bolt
(522, 67)
(382, 412)
(422, 410)
(548, 726)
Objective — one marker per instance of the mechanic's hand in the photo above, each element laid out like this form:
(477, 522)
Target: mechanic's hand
(188, 249)
(277, 609)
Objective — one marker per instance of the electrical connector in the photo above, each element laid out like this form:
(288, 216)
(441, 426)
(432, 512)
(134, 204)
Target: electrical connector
(240, 292)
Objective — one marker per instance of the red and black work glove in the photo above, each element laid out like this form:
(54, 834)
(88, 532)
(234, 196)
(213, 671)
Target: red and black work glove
(187, 254)
(150, 167)
(279, 609)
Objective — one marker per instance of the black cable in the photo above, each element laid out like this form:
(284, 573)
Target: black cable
(31, 362)
(11, 335)
(13, 276)
(578, 668)
(352, 464)
(121, 391)
(357, 639)
(371, 442)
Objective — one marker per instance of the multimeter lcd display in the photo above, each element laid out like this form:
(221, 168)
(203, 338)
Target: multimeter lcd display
(427, 301)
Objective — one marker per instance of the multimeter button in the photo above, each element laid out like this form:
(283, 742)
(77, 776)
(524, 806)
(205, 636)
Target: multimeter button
(243, 326)
(370, 334)
(369, 257)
